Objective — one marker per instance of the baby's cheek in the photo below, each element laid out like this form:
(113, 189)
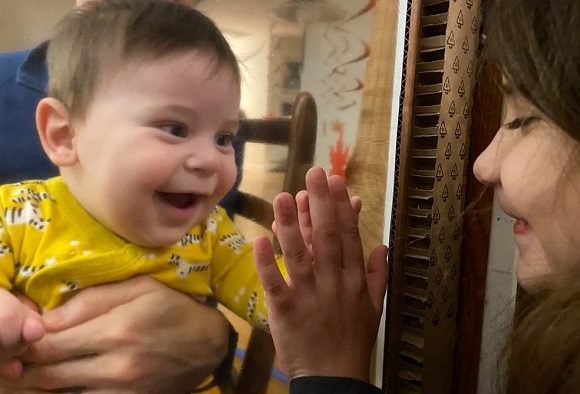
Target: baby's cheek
(229, 176)
(152, 177)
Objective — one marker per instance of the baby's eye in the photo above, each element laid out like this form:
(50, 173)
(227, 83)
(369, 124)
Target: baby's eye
(176, 129)
(225, 139)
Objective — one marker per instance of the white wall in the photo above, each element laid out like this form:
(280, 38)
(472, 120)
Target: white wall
(252, 51)
(246, 25)
(247, 29)
(325, 49)
(500, 295)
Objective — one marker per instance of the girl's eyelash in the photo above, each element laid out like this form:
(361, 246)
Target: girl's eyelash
(520, 122)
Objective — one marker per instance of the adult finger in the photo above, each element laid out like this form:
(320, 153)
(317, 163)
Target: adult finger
(84, 317)
(18, 327)
(378, 276)
(347, 224)
(56, 347)
(112, 371)
(28, 302)
(296, 256)
(28, 390)
(102, 333)
(86, 372)
(95, 301)
(11, 369)
(13, 388)
(325, 234)
(45, 351)
(93, 373)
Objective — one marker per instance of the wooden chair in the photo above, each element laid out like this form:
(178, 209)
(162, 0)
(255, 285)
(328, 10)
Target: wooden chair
(299, 133)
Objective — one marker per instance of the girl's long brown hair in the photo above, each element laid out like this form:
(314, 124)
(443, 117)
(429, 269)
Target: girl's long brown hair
(536, 44)
(543, 352)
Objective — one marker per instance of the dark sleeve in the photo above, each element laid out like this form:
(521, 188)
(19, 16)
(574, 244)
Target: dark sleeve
(331, 385)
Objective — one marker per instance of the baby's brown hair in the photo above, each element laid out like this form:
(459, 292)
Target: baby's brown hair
(101, 36)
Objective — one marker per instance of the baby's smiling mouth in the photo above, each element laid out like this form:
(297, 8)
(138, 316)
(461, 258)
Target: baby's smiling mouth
(179, 200)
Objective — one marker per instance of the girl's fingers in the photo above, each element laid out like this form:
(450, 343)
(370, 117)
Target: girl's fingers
(270, 276)
(304, 220)
(378, 276)
(275, 229)
(347, 224)
(325, 232)
(356, 203)
(296, 256)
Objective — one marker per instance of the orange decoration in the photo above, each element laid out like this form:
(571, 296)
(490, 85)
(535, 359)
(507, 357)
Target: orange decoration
(339, 152)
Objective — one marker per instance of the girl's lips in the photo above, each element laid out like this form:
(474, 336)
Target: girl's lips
(521, 227)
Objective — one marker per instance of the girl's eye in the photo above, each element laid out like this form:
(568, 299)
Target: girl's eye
(175, 129)
(520, 122)
(225, 139)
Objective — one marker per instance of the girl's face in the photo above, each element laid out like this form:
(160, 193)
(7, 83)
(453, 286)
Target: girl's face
(534, 168)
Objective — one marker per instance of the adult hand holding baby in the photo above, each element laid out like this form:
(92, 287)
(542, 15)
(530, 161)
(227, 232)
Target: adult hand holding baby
(106, 339)
(21, 326)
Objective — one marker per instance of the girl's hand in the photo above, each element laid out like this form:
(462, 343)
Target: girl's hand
(324, 318)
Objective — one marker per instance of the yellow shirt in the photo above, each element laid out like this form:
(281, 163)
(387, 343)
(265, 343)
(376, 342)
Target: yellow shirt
(50, 247)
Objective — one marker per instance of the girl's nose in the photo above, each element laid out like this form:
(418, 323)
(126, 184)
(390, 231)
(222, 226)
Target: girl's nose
(488, 165)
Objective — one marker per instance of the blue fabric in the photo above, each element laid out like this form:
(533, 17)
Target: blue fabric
(23, 81)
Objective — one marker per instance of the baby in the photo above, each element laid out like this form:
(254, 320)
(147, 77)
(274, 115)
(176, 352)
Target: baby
(142, 107)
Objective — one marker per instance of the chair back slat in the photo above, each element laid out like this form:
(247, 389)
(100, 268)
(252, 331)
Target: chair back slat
(267, 131)
(256, 208)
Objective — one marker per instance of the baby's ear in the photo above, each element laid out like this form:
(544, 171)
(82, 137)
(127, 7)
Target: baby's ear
(56, 133)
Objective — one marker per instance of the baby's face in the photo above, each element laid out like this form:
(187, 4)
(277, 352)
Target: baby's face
(155, 149)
